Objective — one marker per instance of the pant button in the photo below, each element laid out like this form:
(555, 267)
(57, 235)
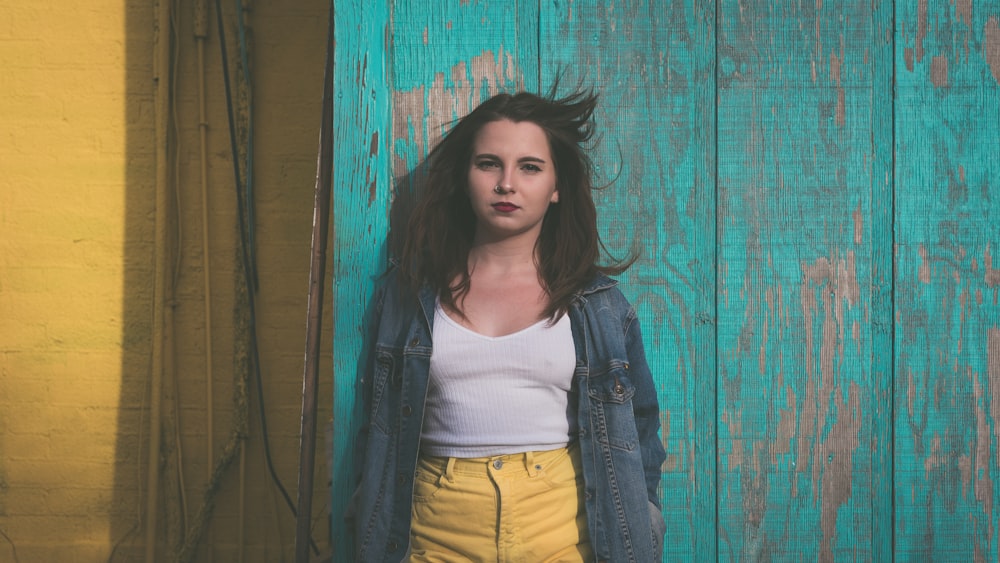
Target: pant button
(497, 464)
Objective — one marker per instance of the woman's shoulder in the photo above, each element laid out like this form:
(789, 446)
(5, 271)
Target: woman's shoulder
(394, 294)
(605, 290)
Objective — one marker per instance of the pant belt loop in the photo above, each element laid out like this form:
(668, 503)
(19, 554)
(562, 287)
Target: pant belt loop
(449, 470)
(529, 463)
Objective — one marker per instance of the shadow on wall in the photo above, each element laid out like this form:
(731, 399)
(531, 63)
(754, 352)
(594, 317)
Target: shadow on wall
(131, 451)
(285, 49)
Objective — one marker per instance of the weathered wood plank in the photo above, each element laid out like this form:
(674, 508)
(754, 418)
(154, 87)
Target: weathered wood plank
(652, 62)
(450, 56)
(847, 223)
(361, 188)
(795, 181)
(405, 70)
(880, 322)
(947, 329)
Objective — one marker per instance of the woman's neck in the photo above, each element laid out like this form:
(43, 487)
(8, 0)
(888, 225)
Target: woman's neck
(508, 255)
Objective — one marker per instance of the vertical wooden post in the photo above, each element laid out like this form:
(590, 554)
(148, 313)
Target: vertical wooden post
(362, 177)
(314, 309)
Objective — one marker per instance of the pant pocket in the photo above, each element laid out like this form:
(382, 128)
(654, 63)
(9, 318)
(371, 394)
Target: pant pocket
(428, 480)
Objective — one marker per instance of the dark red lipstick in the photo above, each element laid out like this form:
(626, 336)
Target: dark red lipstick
(505, 207)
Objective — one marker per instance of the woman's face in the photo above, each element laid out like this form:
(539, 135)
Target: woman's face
(516, 157)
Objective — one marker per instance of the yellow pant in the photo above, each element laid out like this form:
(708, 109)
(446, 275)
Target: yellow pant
(510, 508)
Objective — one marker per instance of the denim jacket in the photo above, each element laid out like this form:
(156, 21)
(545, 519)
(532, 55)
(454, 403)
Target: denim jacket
(615, 404)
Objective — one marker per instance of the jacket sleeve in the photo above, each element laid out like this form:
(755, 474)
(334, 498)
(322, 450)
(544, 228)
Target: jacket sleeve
(364, 387)
(645, 406)
(646, 410)
(364, 393)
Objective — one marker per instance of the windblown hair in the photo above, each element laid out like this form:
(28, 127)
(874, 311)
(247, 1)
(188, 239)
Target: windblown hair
(441, 229)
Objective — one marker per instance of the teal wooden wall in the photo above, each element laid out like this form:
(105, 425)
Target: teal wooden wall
(811, 188)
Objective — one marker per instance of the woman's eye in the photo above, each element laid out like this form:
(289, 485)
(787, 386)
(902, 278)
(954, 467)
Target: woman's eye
(531, 168)
(486, 164)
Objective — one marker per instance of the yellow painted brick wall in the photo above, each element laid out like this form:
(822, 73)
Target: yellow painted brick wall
(77, 256)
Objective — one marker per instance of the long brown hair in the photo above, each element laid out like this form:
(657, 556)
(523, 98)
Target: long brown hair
(440, 231)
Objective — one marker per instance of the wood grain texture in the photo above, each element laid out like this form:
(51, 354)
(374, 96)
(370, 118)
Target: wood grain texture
(796, 392)
(810, 190)
(879, 325)
(403, 73)
(361, 188)
(448, 59)
(947, 391)
(652, 63)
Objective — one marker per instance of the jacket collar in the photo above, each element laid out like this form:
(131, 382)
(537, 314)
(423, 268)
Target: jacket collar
(428, 300)
(599, 282)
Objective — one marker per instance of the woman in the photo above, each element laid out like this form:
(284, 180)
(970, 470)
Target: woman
(511, 415)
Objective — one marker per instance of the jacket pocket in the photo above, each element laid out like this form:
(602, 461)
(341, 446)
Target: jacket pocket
(612, 417)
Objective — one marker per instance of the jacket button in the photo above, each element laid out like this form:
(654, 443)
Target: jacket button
(414, 342)
(619, 389)
(626, 365)
(407, 411)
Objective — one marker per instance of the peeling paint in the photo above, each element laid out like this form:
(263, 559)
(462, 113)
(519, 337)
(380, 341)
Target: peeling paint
(991, 47)
(786, 426)
(991, 275)
(963, 11)
(939, 71)
(838, 467)
(921, 29)
(924, 272)
(408, 129)
(859, 225)
(788, 458)
(987, 412)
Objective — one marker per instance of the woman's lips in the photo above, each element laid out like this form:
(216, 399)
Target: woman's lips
(505, 207)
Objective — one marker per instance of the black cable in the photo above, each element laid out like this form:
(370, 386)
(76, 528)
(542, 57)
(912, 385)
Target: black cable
(251, 238)
(247, 272)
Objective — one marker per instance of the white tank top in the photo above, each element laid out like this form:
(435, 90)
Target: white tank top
(498, 395)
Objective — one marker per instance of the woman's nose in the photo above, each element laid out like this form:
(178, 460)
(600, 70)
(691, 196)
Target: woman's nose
(507, 181)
